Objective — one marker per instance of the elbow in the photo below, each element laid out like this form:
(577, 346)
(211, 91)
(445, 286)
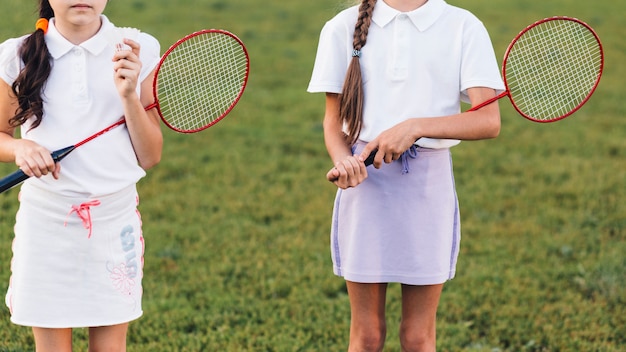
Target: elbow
(494, 130)
(493, 127)
(150, 155)
(150, 162)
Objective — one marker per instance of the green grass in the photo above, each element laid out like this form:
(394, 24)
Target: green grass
(236, 218)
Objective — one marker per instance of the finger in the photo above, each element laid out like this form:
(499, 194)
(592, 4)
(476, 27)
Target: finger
(127, 59)
(30, 169)
(57, 171)
(40, 164)
(342, 171)
(134, 46)
(379, 158)
(369, 149)
(353, 166)
(388, 158)
(51, 166)
(370, 158)
(332, 175)
(125, 73)
(363, 169)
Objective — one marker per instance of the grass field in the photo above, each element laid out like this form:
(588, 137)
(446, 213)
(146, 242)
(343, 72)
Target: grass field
(236, 218)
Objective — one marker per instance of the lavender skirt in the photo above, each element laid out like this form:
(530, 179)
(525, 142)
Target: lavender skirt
(401, 224)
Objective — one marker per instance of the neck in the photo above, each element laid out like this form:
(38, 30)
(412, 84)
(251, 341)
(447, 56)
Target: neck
(405, 5)
(77, 33)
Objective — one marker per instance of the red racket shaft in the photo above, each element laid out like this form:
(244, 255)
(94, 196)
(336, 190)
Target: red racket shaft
(19, 176)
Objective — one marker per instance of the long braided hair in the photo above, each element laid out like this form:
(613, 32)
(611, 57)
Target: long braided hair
(351, 100)
(29, 85)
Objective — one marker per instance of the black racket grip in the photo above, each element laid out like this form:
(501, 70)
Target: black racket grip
(370, 159)
(12, 180)
(19, 176)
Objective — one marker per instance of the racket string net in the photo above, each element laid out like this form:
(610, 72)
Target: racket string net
(201, 80)
(552, 69)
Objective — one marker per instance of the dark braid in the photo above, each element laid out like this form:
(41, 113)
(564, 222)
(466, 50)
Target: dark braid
(29, 85)
(351, 100)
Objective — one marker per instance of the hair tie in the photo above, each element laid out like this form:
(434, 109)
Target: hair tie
(42, 24)
(356, 53)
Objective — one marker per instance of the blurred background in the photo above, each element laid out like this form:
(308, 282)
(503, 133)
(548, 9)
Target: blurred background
(236, 218)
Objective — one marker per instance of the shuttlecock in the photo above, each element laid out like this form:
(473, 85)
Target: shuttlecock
(116, 35)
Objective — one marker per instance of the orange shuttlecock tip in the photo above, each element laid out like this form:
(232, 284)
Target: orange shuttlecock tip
(42, 24)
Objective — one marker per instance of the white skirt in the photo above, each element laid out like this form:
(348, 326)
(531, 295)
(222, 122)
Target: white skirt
(402, 224)
(76, 266)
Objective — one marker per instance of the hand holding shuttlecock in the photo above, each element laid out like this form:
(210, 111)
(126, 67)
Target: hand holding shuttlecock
(116, 36)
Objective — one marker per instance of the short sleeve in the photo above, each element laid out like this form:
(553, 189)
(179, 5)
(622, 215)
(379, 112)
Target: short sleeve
(150, 54)
(10, 62)
(331, 61)
(479, 65)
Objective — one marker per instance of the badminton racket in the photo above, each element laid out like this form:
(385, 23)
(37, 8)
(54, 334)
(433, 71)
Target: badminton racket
(550, 70)
(197, 82)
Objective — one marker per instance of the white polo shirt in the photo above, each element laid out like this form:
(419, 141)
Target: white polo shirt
(80, 99)
(414, 64)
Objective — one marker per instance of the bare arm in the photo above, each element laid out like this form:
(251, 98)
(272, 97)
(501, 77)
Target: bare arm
(349, 170)
(29, 156)
(8, 106)
(143, 126)
(472, 125)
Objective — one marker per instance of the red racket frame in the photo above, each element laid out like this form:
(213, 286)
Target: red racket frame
(19, 176)
(370, 158)
(172, 48)
(506, 56)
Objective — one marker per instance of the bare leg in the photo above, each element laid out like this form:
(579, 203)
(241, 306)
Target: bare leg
(108, 338)
(367, 327)
(419, 316)
(52, 340)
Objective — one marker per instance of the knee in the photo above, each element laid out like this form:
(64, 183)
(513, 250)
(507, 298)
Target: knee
(373, 342)
(370, 339)
(415, 339)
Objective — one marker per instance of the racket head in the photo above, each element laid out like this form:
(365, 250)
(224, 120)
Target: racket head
(200, 79)
(552, 68)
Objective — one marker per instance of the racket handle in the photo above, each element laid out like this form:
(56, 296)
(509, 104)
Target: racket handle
(370, 159)
(12, 180)
(19, 176)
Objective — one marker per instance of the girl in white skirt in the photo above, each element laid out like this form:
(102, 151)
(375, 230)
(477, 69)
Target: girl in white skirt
(78, 247)
(399, 95)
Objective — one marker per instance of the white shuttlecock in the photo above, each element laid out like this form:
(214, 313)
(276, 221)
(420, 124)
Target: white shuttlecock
(116, 36)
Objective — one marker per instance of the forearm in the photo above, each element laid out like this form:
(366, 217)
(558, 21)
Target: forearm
(474, 125)
(471, 125)
(145, 132)
(8, 107)
(481, 124)
(334, 137)
(7, 154)
(348, 170)
(143, 126)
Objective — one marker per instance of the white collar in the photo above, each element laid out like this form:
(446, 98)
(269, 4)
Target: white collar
(59, 46)
(422, 17)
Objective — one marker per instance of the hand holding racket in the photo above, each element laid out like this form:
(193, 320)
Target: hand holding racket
(550, 70)
(198, 81)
